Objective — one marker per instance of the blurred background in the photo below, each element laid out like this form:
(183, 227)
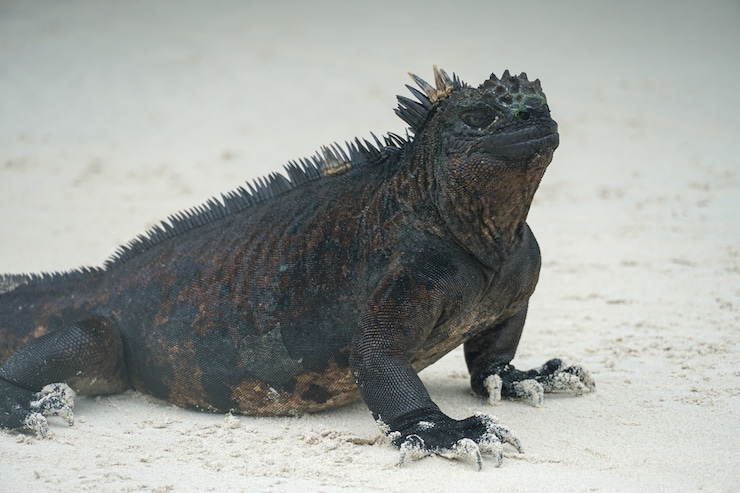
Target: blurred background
(114, 114)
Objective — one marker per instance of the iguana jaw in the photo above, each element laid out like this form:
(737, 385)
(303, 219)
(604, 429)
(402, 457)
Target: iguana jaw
(522, 143)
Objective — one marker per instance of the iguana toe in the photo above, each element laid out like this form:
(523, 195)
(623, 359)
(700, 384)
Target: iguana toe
(465, 449)
(530, 391)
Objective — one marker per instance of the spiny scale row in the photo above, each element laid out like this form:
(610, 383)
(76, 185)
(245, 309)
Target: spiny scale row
(415, 113)
(331, 160)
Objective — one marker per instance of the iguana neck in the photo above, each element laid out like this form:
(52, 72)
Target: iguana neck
(485, 207)
(491, 226)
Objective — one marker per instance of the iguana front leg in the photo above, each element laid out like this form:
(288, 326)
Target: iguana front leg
(488, 356)
(397, 320)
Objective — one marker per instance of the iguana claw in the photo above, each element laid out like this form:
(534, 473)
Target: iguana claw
(412, 448)
(415, 448)
(466, 448)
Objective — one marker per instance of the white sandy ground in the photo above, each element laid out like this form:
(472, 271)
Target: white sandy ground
(115, 114)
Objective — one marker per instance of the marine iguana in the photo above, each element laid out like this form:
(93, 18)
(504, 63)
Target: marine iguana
(343, 280)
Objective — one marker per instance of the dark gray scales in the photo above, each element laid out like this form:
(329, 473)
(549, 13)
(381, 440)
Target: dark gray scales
(337, 280)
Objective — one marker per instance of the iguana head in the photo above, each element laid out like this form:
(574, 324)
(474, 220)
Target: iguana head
(485, 150)
(504, 119)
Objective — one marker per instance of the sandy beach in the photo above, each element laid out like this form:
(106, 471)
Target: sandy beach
(114, 115)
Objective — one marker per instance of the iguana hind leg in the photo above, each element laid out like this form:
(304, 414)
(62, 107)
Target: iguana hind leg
(86, 355)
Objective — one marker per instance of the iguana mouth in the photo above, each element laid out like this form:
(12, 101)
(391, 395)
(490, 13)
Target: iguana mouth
(524, 142)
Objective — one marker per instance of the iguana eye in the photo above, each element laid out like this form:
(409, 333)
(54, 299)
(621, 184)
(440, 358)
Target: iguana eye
(479, 117)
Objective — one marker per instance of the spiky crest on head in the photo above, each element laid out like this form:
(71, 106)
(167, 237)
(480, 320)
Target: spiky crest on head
(415, 113)
(509, 90)
(514, 90)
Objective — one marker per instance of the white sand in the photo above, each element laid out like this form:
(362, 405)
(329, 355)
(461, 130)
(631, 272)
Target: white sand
(116, 114)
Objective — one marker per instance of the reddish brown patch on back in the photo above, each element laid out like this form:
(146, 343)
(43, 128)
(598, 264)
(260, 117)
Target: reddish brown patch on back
(314, 391)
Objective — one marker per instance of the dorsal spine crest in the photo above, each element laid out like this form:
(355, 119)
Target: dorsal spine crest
(330, 161)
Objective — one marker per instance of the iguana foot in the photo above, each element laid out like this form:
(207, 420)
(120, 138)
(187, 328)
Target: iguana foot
(21, 408)
(56, 399)
(531, 386)
(437, 434)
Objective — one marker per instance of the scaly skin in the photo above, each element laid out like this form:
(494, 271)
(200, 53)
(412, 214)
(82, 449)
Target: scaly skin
(304, 295)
